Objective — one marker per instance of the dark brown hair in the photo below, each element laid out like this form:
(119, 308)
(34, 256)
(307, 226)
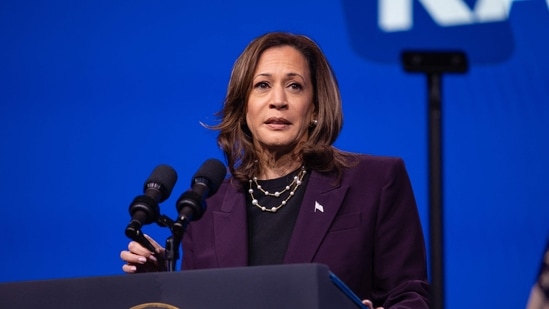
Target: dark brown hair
(234, 136)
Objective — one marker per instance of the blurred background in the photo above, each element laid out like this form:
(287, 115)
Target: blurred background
(95, 94)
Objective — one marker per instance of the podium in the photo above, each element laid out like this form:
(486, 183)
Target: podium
(300, 286)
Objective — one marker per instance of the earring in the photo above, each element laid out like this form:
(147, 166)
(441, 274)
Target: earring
(313, 123)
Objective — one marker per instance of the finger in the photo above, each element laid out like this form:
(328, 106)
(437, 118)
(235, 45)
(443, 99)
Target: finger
(132, 258)
(130, 269)
(136, 248)
(156, 245)
(367, 303)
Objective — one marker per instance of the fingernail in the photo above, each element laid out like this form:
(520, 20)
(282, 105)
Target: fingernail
(153, 258)
(142, 259)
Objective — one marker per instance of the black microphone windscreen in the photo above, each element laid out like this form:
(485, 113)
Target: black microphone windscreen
(162, 178)
(214, 171)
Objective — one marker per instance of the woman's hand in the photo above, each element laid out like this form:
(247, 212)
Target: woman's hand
(139, 259)
(369, 304)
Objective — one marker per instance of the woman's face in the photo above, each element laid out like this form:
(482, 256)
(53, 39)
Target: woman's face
(280, 105)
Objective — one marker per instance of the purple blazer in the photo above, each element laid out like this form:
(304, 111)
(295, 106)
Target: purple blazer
(369, 232)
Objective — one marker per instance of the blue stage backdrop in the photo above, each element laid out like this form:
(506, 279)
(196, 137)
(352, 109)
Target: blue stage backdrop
(95, 94)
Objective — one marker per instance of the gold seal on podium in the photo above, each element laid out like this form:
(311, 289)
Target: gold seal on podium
(154, 306)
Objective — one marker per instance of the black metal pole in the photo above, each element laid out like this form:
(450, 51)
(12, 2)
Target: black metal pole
(436, 218)
(171, 254)
(434, 64)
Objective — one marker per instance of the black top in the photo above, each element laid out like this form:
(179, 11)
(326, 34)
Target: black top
(269, 233)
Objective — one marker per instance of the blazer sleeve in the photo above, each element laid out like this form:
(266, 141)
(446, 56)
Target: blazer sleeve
(400, 274)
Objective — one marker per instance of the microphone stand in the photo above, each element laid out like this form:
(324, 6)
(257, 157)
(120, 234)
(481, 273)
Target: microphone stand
(191, 206)
(434, 64)
(172, 243)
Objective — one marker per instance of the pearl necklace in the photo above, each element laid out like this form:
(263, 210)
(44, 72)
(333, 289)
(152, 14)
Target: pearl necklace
(296, 182)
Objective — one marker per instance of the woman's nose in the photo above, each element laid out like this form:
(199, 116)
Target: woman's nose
(279, 99)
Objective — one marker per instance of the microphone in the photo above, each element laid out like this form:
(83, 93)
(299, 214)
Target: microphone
(191, 205)
(144, 209)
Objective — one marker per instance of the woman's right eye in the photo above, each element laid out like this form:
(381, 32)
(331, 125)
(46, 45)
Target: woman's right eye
(261, 85)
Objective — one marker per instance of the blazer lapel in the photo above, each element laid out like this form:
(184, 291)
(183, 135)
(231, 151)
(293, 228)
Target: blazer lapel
(230, 230)
(320, 205)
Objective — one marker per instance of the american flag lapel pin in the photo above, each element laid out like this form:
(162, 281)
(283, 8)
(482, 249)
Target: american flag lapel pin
(318, 207)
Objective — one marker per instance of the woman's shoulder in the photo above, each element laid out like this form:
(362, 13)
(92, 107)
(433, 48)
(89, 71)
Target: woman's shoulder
(371, 160)
(374, 169)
